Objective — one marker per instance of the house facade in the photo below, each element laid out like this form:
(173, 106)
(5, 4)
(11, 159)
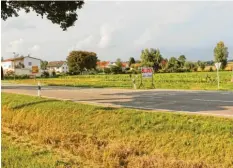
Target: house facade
(21, 65)
(58, 66)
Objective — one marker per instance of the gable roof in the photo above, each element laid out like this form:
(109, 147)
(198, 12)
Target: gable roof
(12, 59)
(19, 58)
(32, 57)
(56, 63)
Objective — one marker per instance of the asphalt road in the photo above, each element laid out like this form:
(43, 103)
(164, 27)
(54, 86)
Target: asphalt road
(196, 102)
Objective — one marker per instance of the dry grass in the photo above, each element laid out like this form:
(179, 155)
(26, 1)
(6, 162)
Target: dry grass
(109, 137)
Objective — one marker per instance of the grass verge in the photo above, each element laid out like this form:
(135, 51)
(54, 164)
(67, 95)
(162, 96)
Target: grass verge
(14, 155)
(109, 137)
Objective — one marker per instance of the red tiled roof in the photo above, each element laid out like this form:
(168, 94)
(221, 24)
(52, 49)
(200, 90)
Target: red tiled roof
(12, 59)
(18, 58)
(124, 64)
(56, 63)
(102, 64)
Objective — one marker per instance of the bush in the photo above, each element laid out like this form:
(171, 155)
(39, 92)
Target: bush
(9, 73)
(53, 73)
(195, 69)
(211, 69)
(107, 70)
(11, 76)
(45, 74)
(116, 70)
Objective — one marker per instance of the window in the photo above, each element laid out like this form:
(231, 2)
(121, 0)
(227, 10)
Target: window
(29, 63)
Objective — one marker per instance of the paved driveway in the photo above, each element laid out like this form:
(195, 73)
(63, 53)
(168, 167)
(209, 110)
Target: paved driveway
(206, 102)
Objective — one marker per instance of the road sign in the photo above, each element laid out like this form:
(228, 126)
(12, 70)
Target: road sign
(147, 72)
(35, 69)
(218, 65)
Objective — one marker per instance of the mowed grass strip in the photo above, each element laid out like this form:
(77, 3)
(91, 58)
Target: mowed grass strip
(111, 137)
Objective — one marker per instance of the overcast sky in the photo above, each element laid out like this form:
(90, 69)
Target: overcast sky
(122, 29)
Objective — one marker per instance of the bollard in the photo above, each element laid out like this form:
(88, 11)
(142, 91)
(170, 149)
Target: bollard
(134, 85)
(39, 89)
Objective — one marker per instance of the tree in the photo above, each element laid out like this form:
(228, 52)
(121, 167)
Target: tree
(173, 64)
(221, 54)
(198, 62)
(63, 13)
(131, 61)
(151, 57)
(116, 69)
(164, 64)
(20, 65)
(209, 63)
(182, 60)
(190, 66)
(118, 62)
(43, 65)
(202, 65)
(78, 61)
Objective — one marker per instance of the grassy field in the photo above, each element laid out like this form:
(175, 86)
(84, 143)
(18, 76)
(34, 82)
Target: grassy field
(92, 136)
(194, 81)
(21, 155)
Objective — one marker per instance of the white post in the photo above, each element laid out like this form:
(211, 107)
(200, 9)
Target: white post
(218, 65)
(39, 89)
(134, 85)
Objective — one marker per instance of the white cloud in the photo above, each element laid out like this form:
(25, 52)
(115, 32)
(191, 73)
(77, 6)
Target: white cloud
(123, 28)
(84, 43)
(35, 48)
(144, 38)
(106, 32)
(15, 46)
(172, 14)
(71, 49)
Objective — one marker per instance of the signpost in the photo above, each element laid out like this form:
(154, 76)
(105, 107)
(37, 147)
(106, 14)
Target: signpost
(147, 72)
(218, 65)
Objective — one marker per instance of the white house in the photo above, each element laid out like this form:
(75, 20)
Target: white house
(58, 66)
(21, 65)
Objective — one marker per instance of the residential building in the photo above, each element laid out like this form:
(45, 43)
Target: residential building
(21, 65)
(108, 64)
(58, 66)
